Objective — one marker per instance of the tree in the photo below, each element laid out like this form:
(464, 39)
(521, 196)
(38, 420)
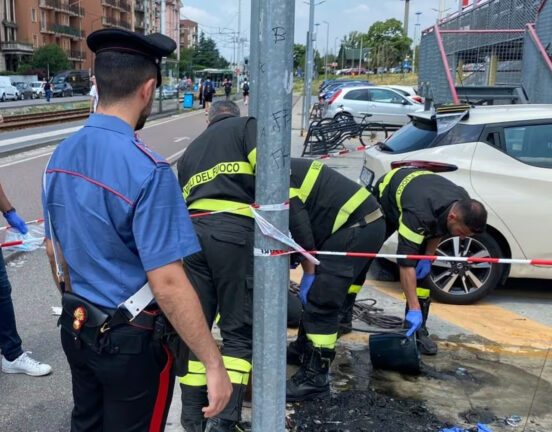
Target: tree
(50, 57)
(206, 54)
(388, 43)
(186, 64)
(299, 53)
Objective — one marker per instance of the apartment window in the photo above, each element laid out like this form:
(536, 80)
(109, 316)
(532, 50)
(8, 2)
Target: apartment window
(42, 19)
(33, 15)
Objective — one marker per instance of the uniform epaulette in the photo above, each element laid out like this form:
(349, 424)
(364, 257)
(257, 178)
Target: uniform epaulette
(157, 159)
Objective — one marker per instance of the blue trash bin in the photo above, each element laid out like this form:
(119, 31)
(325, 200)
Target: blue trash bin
(188, 100)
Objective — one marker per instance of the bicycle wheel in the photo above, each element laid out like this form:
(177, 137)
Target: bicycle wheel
(372, 133)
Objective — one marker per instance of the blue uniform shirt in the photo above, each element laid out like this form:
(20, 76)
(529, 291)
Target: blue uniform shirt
(116, 210)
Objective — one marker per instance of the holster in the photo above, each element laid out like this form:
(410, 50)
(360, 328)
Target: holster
(165, 332)
(82, 319)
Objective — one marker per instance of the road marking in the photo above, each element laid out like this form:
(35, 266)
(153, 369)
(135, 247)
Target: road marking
(492, 322)
(25, 160)
(178, 139)
(55, 133)
(172, 158)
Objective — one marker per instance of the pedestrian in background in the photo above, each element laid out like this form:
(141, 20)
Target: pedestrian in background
(93, 95)
(227, 84)
(48, 90)
(201, 101)
(208, 93)
(245, 90)
(223, 157)
(14, 359)
(115, 220)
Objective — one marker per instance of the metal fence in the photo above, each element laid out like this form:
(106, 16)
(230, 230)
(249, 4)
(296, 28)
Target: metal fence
(484, 46)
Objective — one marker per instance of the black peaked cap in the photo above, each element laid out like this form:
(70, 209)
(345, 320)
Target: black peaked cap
(153, 46)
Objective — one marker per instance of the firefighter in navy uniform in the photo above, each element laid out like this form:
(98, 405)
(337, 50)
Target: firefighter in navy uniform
(217, 172)
(423, 207)
(327, 212)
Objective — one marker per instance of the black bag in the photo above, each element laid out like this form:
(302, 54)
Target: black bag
(245, 87)
(82, 319)
(209, 90)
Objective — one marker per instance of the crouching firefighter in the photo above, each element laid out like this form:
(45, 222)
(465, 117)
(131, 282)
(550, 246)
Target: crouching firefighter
(327, 212)
(423, 207)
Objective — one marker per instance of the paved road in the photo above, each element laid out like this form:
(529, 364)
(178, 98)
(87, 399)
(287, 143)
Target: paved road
(514, 319)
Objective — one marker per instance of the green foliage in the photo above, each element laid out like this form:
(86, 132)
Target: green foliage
(388, 43)
(206, 55)
(52, 57)
(299, 53)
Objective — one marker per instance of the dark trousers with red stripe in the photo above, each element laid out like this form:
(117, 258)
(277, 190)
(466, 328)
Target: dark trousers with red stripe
(125, 388)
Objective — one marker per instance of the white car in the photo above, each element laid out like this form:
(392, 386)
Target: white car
(38, 89)
(7, 89)
(385, 105)
(502, 155)
(408, 91)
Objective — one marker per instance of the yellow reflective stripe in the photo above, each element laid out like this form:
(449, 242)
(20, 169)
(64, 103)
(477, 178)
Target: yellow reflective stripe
(206, 176)
(423, 293)
(404, 183)
(323, 340)
(236, 364)
(193, 380)
(349, 207)
(310, 180)
(208, 204)
(217, 318)
(195, 366)
(252, 158)
(238, 377)
(386, 181)
(293, 192)
(408, 234)
(354, 289)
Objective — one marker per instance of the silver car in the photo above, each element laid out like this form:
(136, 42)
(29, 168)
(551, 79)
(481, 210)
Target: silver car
(385, 105)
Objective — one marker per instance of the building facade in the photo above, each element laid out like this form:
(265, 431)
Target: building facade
(189, 35)
(26, 25)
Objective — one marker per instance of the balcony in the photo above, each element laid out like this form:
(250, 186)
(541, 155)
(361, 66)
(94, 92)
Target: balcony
(139, 7)
(76, 55)
(112, 22)
(139, 24)
(121, 5)
(61, 30)
(10, 24)
(16, 47)
(60, 6)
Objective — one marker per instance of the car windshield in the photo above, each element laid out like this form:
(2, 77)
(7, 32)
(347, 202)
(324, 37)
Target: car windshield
(58, 80)
(35, 85)
(414, 136)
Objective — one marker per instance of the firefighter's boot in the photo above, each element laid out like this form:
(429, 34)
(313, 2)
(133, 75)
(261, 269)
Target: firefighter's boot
(345, 316)
(426, 345)
(296, 348)
(312, 379)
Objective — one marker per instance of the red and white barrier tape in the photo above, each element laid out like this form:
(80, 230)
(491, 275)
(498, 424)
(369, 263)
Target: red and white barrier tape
(535, 262)
(265, 207)
(20, 242)
(36, 221)
(342, 152)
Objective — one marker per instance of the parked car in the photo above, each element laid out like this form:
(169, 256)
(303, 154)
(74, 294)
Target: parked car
(61, 88)
(71, 82)
(7, 89)
(24, 89)
(502, 156)
(38, 89)
(328, 91)
(408, 91)
(385, 105)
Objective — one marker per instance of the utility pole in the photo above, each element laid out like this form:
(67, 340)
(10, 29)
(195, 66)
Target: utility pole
(309, 68)
(416, 43)
(163, 12)
(239, 57)
(360, 55)
(274, 68)
(326, 55)
(254, 60)
(406, 14)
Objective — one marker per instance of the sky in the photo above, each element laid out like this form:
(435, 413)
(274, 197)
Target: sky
(219, 19)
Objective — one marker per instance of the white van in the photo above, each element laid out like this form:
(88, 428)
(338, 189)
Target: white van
(7, 89)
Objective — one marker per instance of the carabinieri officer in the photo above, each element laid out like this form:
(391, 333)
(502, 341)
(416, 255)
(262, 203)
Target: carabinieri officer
(116, 219)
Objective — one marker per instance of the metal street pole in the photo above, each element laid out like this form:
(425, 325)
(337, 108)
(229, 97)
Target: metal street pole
(309, 69)
(275, 71)
(239, 56)
(326, 55)
(254, 48)
(360, 56)
(163, 24)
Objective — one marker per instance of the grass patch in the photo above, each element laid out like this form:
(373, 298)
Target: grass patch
(410, 79)
(32, 109)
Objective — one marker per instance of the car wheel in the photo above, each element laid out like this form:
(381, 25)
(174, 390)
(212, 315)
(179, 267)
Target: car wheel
(344, 117)
(3, 99)
(464, 282)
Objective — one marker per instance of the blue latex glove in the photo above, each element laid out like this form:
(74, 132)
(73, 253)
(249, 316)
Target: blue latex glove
(305, 286)
(483, 428)
(415, 319)
(15, 221)
(422, 269)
